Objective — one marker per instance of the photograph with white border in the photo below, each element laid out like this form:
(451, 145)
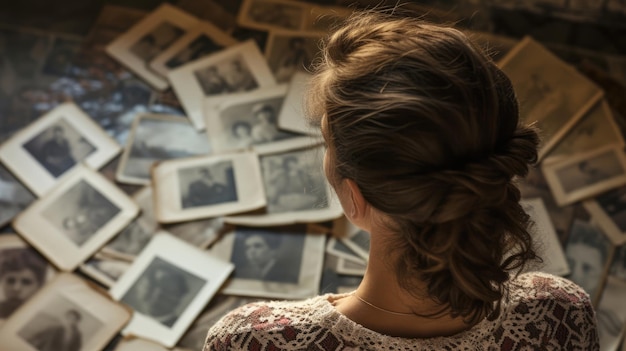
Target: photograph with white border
(289, 52)
(209, 186)
(272, 14)
(586, 175)
(157, 137)
(148, 38)
(547, 242)
(24, 271)
(551, 92)
(67, 314)
(611, 314)
(283, 263)
(200, 233)
(250, 120)
(14, 196)
(236, 69)
(103, 269)
(609, 211)
(292, 116)
(54, 144)
(167, 286)
(296, 188)
(75, 219)
(350, 267)
(200, 41)
(338, 248)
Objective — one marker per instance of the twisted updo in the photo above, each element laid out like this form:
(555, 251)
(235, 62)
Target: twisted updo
(427, 126)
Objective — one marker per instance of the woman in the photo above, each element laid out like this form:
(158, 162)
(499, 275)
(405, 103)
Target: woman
(423, 147)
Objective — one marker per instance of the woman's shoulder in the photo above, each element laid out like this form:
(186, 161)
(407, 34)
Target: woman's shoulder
(538, 287)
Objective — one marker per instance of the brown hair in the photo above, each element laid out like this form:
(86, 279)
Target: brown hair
(427, 126)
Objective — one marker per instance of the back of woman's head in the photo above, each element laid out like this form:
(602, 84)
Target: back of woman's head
(427, 126)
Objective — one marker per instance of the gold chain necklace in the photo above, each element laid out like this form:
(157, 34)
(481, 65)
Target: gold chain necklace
(380, 308)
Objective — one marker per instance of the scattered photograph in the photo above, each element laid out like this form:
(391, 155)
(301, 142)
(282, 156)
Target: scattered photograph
(76, 218)
(148, 38)
(57, 318)
(14, 196)
(288, 52)
(167, 286)
(272, 262)
(596, 129)
(338, 248)
(609, 211)
(587, 250)
(350, 267)
(547, 242)
(23, 271)
(551, 93)
(611, 314)
(55, 144)
(250, 120)
(333, 282)
(206, 187)
(296, 190)
(586, 175)
(259, 36)
(200, 41)
(105, 270)
(157, 137)
(618, 267)
(236, 69)
(272, 14)
(200, 233)
(292, 117)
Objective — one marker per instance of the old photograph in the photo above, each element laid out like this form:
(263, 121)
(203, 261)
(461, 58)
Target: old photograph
(586, 174)
(250, 121)
(350, 267)
(611, 314)
(54, 144)
(202, 40)
(338, 248)
(333, 282)
(272, 14)
(551, 93)
(587, 250)
(289, 52)
(67, 314)
(148, 38)
(156, 138)
(76, 218)
(14, 196)
(618, 266)
(292, 117)
(236, 69)
(609, 210)
(280, 262)
(209, 186)
(200, 233)
(23, 271)
(105, 270)
(167, 286)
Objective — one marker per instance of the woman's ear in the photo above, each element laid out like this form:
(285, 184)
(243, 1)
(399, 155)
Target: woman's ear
(357, 206)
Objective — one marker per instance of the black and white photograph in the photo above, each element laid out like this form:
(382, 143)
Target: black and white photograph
(292, 117)
(67, 314)
(200, 233)
(337, 247)
(611, 314)
(350, 267)
(23, 271)
(333, 282)
(156, 138)
(586, 175)
(167, 286)
(76, 218)
(551, 93)
(250, 120)
(105, 270)
(609, 210)
(200, 41)
(289, 52)
(207, 187)
(272, 14)
(596, 129)
(587, 250)
(55, 144)
(236, 69)
(149, 37)
(14, 196)
(296, 190)
(272, 262)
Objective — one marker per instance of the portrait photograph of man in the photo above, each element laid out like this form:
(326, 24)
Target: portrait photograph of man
(207, 185)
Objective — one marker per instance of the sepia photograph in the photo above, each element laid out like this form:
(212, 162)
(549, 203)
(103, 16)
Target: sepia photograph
(272, 14)
(296, 190)
(14, 196)
(200, 41)
(280, 262)
(76, 218)
(54, 144)
(250, 120)
(105, 270)
(158, 137)
(67, 314)
(586, 175)
(609, 211)
(167, 286)
(236, 69)
(148, 38)
(551, 92)
(23, 271)
(587, 251)
(288, 52)
(611, 314)
(292, 117)
(208, 186)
